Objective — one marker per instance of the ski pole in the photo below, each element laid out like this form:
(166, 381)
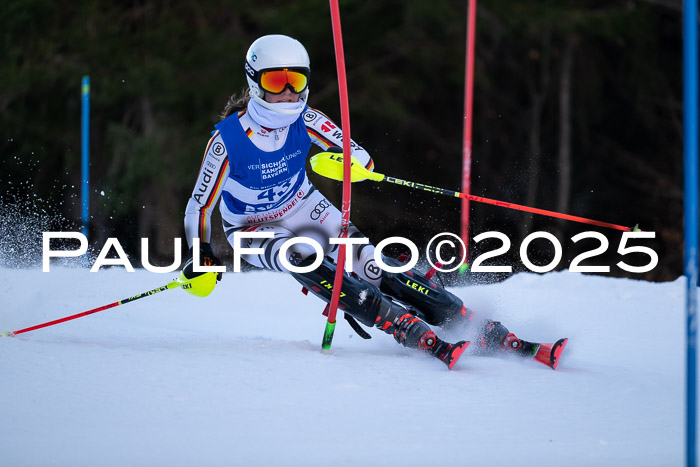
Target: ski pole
(329, 165)
(179, 282)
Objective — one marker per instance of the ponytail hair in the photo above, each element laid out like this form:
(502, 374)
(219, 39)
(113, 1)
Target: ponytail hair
(236, 103)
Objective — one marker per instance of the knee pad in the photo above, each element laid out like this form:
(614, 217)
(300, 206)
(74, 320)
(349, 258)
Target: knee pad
(438, 306)
(360, 299)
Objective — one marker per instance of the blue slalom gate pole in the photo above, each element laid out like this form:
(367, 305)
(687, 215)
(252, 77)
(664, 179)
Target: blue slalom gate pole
(85, 136)
(690, 129)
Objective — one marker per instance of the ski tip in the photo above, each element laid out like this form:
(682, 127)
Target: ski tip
(548, 354)
(456, 352)
(7, 334)
(557, 349)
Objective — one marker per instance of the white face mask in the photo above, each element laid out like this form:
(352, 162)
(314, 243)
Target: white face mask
(274, 115)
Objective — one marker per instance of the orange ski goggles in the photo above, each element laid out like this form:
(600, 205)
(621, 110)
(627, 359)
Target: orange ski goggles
(276, 81)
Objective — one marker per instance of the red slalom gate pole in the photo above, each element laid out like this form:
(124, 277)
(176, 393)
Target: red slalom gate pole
(468, 124)
(345, 211)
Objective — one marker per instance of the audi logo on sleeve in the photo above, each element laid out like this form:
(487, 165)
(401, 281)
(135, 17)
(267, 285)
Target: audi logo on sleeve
(319, 208)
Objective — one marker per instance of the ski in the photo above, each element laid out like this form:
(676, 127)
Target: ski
(547, 354)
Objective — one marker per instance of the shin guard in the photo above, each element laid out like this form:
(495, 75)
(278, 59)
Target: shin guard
(438, 306)
(358, 298)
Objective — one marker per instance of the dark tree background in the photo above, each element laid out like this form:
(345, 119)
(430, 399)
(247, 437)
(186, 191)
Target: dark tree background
(578, 108)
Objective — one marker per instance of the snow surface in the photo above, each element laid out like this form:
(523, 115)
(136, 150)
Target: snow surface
(238, 378)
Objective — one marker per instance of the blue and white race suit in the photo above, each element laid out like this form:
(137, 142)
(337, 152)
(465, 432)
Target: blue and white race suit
(260, 176)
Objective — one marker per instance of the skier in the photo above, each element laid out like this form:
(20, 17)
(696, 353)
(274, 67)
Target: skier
(255, 163)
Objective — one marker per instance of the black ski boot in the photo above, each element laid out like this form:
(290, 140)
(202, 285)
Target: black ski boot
(495, 338)
(411, 331)
(366, 303)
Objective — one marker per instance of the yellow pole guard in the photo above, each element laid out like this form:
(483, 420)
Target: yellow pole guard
(199, 286)
(330, 165)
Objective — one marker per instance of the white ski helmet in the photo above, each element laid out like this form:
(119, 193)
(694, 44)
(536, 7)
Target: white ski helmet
(272, 52)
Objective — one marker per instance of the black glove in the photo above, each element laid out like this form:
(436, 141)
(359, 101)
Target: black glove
(206, 258)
